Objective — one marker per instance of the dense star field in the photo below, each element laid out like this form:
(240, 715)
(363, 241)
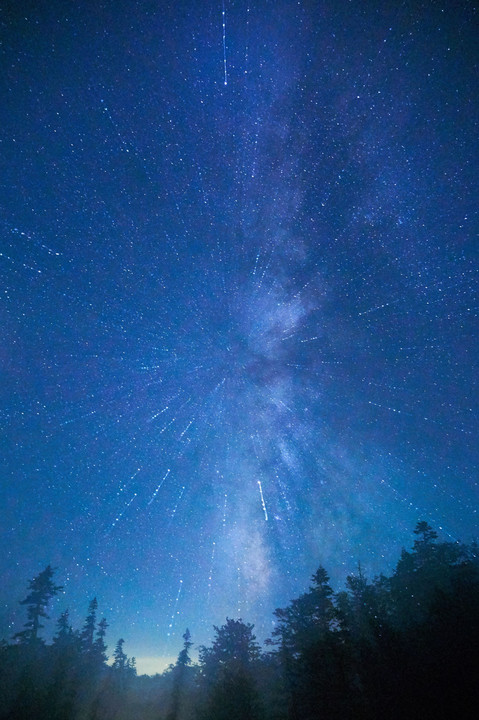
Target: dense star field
(238, 302)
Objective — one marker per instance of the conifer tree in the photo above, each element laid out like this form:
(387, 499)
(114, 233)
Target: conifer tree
(88, 632)
(131, 666)
(64, 636)
(306, 617)
(120, 658)
(184, 656)
(179, 670)
(425, 534)
(228, 673)
(99, 646)
(42, 590)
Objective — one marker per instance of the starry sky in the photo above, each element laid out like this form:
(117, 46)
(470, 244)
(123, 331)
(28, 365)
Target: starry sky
(238, 301)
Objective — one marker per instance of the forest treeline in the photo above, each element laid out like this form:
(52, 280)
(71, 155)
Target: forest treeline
(398, 647)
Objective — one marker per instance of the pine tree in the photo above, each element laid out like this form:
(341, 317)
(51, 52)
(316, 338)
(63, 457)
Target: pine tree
(42, 590)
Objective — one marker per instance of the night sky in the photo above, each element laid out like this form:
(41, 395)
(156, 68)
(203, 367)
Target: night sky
(238, 301)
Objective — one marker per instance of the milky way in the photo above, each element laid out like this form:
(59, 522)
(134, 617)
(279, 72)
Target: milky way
(239, 301)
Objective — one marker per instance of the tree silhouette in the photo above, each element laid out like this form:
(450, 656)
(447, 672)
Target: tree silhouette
(119, 656)
(42, 589)
(307, 617)
(426, 535)
(99, 647)
(184, 656)
(64, 632)
(88, 631)
(228, 669)
(179, 676)
(397, 646)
